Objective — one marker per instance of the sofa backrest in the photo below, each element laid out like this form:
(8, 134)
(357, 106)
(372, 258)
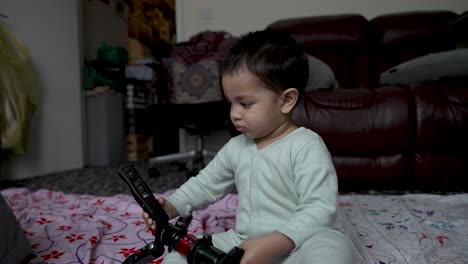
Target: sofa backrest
(400, 37)
(341, 41)
(358, 50)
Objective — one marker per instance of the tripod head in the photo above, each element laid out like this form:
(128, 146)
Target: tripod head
(174, 237)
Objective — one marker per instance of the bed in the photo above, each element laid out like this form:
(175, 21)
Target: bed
(82, 228)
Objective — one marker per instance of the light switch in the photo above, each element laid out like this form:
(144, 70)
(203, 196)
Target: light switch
(206, 13)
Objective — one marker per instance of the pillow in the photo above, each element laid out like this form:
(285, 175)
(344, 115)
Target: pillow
(14, 246)
(320, 75)
(190, 83)
(431, 67)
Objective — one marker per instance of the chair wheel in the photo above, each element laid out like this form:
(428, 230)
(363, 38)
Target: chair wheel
(153, 173)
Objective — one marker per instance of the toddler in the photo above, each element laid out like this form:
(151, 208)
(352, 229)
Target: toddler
(284, 176)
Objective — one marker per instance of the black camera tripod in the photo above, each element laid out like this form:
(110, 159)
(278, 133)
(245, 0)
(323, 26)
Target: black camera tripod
(174, 237)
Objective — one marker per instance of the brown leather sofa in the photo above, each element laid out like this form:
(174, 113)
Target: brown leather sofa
(385, 138)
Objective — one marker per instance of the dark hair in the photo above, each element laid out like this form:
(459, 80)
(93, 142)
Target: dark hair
(273, 57)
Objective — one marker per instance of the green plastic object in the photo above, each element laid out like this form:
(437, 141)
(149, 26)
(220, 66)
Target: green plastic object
(117, 54)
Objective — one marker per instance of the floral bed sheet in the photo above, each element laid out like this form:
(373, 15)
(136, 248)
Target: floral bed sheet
(79, 228)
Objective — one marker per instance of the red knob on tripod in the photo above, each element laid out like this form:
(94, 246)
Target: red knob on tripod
(185, 244)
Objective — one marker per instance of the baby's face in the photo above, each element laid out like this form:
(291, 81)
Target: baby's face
(255, 110)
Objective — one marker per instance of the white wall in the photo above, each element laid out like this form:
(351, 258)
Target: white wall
(51, 31)
(102, 24)
(240, 16)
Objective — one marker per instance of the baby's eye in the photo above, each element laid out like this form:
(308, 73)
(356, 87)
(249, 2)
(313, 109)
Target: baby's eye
(246, 104)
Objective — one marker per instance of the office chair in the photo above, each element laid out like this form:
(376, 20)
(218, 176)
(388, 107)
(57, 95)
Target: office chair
(194, 104)
(199, 120)
(195, 101)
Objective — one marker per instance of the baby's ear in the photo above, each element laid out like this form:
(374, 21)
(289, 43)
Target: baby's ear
(289, 99)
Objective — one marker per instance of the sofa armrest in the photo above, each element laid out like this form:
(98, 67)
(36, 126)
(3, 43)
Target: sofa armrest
(441, 135)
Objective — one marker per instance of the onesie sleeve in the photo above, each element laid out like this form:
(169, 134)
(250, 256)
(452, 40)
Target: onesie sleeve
(210, 185)
(317, 189)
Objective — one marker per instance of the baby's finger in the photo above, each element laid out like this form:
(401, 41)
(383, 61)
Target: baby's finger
(149, 222)
(144, 214)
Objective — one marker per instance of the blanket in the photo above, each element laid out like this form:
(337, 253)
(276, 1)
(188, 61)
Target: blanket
(80, 228)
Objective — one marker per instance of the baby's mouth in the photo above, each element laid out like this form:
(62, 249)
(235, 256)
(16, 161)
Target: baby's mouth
(241, 129)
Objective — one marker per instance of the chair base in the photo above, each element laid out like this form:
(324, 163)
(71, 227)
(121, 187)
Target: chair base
(194, 159)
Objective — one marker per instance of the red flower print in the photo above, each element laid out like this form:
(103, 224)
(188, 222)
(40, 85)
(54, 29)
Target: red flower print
(35, 246)
(423, 236)
(126, 214)
(127, 251)
(93, 240)
(28, 233)
(54, 254)
(137, 223)
(107, 224)
(73, 237)
(109, 209)
(75, 207)
(99, 202)
(64, 228)
(116, 238)
(35, 200)
(441, 240)
(157, 261)
(62, 202)
(43, 221)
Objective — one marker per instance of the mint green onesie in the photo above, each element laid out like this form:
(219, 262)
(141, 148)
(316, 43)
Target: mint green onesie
(289, 186)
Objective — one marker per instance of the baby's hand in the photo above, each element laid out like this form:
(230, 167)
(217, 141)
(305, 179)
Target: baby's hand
(266, 248)
(167, 206)
(149, 223)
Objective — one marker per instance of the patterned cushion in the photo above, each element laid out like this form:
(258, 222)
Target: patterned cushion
(193, 83)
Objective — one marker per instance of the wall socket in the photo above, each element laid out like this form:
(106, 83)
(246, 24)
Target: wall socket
(206, 13)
